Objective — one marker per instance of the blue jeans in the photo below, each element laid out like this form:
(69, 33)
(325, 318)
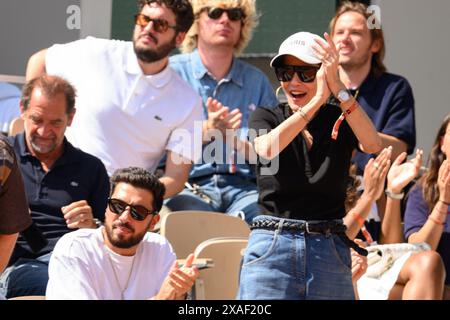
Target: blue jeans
(230, 194)
(287, 265)
(26, 277)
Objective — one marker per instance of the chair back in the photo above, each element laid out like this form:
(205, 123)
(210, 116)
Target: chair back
(185, 230)
(16, 127)
(221, 281)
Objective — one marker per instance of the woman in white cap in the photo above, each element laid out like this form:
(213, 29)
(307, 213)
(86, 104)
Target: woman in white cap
(298, 248)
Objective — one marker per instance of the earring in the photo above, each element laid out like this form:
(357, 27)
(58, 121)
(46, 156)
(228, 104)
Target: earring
(277, 92)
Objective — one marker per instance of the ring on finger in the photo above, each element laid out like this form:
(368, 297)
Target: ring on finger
(376, 165)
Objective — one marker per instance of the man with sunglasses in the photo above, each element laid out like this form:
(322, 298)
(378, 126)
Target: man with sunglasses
(122, 260)
(231, 89)
(66, 188)
(132, 108)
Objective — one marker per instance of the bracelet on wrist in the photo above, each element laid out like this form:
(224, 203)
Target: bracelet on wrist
(392, 195)
(303, 115)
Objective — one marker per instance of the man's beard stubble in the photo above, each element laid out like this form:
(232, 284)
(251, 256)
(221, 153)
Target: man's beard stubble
(152, 55)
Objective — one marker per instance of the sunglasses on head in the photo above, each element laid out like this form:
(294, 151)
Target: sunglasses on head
(234, 14)
(159, 25)
(304, 73)
(137, 212)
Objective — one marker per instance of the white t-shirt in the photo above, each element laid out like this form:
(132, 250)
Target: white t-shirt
(81, 267)
(124, 117)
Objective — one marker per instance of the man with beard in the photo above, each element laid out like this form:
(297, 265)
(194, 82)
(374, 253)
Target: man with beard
(66, 188)
(121, 261)
(132, 108)
(386, 98)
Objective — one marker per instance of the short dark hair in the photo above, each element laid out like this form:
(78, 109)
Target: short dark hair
(50, 86)
(181, 8)
(140, 178)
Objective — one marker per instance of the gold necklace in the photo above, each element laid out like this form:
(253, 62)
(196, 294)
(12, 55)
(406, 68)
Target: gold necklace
(122, 296)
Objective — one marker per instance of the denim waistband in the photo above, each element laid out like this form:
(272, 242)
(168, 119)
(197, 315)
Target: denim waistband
(325, 227)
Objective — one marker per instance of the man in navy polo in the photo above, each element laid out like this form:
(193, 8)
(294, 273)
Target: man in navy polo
(66, 188)
(386, 98)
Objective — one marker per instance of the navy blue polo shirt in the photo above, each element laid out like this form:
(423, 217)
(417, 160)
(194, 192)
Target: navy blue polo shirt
(75, 176)
(389, 103)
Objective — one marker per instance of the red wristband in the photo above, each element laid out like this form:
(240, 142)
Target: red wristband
(344, 114)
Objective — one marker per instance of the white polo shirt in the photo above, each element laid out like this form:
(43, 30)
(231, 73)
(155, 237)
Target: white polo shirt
(124, 117)
(83, 268)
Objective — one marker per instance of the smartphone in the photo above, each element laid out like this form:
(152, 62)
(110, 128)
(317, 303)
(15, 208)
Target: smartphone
(201, 264)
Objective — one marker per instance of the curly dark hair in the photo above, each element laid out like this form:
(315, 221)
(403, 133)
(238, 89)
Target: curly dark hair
(181, 8)
(140, 178)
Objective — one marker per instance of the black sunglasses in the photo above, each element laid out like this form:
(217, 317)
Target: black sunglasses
(160, 25)
(234, 14)
(138, 213)
(304, 73)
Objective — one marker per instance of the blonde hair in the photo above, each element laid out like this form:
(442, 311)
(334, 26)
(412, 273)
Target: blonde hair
(248, 23)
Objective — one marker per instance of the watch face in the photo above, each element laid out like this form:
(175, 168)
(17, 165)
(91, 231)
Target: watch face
(343, 95)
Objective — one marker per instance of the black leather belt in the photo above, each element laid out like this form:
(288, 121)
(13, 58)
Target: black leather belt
(320, 227)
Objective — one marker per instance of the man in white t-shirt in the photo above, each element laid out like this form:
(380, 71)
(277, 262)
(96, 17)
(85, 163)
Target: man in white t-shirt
(131, 107)
(121, 260)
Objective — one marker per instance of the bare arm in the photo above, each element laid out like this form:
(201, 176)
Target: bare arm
(374, 177)
(7, 243)
(36, 65)
(177, 173)
(431, 231)
(358, 120)
(398, 178)
(363, 128)
(398, 146)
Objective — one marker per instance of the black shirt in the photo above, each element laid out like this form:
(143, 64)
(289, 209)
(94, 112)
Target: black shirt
(74, 176)
(292, 192)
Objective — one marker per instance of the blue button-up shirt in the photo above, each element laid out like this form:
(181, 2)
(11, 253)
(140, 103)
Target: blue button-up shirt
(245, 87)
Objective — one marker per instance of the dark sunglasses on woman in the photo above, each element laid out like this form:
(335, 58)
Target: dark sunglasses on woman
(304, 73)
(234, 14)
(137, 212)
(159, 25)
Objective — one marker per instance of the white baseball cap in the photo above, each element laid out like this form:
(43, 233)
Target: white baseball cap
(299, 45)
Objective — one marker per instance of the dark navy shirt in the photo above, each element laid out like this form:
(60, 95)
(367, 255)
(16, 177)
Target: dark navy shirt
(75, 176)
(389, 103)
(416, 215)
